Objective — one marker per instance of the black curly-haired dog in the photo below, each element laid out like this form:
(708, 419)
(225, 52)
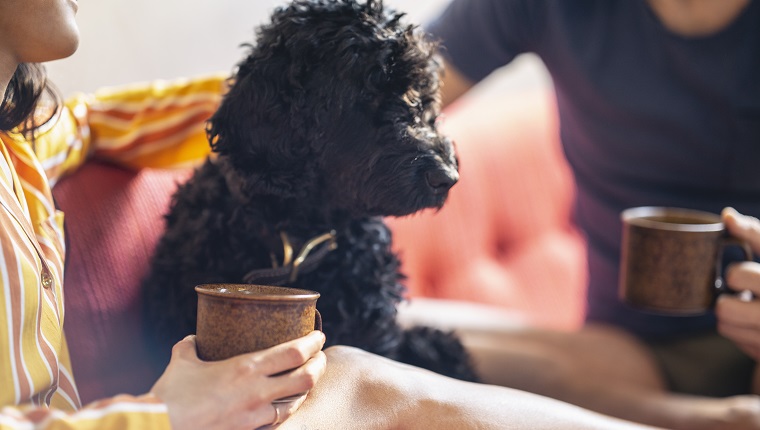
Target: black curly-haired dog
(329, 125)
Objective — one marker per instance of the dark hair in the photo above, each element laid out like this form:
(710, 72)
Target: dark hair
(26, 89)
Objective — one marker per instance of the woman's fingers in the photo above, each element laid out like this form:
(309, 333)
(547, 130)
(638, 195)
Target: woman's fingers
(238, 392)
(263, 416)
(286, 356)
(185, 349)
(299, 380)
(284, 370)
(281, 411)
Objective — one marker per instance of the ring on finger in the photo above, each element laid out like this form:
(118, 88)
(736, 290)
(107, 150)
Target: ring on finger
(277, 416)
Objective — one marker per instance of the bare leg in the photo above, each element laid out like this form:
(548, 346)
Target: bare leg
(605, 370)
(598, 368)
(361, 390)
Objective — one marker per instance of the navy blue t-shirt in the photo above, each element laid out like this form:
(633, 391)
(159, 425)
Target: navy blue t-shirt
(647, 117)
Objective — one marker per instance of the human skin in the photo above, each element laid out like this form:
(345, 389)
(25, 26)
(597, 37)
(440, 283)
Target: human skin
(34, 31)
(362, 390)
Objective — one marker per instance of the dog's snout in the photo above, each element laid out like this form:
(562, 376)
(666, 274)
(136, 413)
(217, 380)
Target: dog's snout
(440, 180)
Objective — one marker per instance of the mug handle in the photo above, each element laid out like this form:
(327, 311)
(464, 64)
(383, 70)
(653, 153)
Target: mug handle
(720, 284)
(317, 320)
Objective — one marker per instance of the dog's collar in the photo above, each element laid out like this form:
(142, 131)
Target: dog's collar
(305, 261)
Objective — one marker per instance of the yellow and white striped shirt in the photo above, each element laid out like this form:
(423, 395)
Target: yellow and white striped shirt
(160, 124)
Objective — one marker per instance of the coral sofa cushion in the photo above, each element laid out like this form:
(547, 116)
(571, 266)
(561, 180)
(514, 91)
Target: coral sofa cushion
(505, 236)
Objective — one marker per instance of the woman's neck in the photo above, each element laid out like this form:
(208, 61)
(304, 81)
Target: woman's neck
(697, 17)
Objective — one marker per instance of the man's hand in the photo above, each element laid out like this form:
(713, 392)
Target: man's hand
(739, 316)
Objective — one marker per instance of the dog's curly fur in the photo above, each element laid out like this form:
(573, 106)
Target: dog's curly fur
(329, 124)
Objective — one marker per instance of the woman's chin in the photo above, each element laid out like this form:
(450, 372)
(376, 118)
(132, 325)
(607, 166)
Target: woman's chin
(62, 48)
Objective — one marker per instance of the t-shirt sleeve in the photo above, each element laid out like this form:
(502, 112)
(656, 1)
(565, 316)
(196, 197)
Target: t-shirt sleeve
(479, 36)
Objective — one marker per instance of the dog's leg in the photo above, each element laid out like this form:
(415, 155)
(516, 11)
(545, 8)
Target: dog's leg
(436, 350)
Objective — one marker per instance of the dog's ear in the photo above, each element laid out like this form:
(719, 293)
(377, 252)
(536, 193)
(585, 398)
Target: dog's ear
(250, 112)
(254, 125)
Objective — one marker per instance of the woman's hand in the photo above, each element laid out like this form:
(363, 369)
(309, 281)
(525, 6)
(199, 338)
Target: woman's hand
(237, 393)
(739, 316)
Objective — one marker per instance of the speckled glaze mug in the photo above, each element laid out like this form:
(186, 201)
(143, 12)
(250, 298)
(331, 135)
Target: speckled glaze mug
(671, 260)
(235, 319)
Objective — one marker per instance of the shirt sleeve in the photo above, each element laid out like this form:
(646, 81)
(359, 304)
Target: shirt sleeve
(121, 412)
(479, 36)
(157, 124)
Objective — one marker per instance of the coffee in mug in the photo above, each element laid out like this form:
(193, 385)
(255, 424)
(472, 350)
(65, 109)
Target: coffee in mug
(671, 259)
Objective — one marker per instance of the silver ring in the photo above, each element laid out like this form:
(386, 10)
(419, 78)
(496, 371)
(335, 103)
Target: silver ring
(276, 415)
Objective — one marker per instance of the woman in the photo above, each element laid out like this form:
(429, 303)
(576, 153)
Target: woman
(37, 386)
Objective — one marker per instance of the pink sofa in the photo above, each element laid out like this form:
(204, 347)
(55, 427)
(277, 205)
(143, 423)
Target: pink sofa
(504, 238)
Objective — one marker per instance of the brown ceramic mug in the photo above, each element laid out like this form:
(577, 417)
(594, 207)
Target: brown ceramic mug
(235, 319)
(671, 259)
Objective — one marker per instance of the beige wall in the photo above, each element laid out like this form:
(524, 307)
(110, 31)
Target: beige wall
(125, 41)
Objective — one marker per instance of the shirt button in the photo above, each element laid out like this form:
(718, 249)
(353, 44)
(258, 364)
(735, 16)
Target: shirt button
(47, 280)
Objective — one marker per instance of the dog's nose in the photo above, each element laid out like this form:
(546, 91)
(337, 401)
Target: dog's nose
(440, 180)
